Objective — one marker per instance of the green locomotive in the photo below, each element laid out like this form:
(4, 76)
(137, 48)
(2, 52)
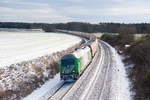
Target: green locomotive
(72, 65)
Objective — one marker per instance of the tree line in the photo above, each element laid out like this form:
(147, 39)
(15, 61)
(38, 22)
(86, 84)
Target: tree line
(80, 26)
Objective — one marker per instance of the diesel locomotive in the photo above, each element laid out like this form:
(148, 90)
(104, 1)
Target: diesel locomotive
(72, 65)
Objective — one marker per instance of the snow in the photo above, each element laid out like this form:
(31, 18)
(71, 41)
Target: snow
(127, 46)
(48, 88)
(120, 83)
(23, 46)
(119, 89)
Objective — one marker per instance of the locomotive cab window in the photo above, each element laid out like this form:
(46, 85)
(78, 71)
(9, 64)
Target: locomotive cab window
(68, 60)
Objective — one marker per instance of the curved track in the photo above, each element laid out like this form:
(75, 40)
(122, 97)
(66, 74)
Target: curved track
(94, 84)
(67, 87)
(100, 89)
(92, 87)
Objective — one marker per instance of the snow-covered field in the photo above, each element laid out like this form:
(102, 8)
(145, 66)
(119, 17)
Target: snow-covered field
(27, 60)
(21, 46)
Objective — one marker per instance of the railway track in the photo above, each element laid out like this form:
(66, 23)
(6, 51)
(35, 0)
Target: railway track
(99, 87)
(60, 93)
(92, 87)
(94, 83)
(65, 88)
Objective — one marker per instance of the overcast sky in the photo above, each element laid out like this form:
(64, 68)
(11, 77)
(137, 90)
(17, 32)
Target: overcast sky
(93, 11)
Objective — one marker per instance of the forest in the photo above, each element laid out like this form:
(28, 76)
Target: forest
(141, 28)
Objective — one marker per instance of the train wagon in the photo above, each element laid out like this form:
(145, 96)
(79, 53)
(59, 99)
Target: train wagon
(94, 47)
(72, 65)
(93, 44)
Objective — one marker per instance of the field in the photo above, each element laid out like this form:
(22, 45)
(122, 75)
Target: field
(136, 36)
(100, 34)
(17, 47)
(29, 59)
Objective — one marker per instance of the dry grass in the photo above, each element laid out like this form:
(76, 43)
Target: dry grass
(38, 69)
(2, 93)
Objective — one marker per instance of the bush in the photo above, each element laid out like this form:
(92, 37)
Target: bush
(140, 74)
(111, 39)
(2, 93)
(125, 36)
(140, 52)
(49, 28)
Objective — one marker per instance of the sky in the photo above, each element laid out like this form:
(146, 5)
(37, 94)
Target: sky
(62, 11)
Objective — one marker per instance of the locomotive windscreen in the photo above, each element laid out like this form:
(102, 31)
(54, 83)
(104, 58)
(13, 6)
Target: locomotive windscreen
(68, 59)
(67, 62)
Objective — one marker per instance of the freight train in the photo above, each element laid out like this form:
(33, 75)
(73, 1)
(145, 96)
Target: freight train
(72, 65)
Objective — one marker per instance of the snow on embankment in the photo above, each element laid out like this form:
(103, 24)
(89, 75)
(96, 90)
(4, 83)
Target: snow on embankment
(119, 89)
(27, 60)
(46, 89)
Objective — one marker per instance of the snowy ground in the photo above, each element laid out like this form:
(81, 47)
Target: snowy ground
(27, 60)
(48, 88)
(17, 47)
(115, 88)
(21, 46)
(120, 82)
